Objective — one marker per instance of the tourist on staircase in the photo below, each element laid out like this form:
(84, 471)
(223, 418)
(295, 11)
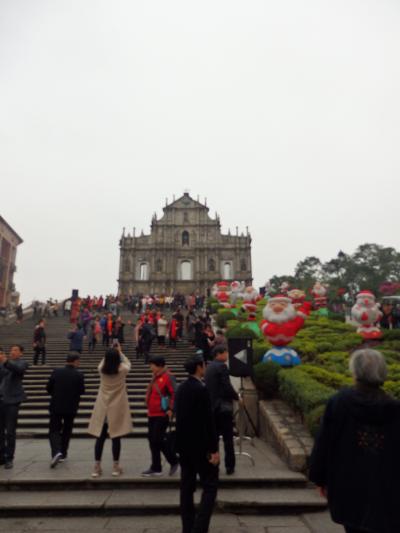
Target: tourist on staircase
(111, 414)
(12, 370)
(160, 399)
(65, 386)
(162, 330)
(173, 332)
(147, 336)
(39, 343)
(76, 337)
(222, 396)
(197, 445)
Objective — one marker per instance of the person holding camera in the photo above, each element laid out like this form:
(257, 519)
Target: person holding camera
(111, 415)
(222, 395)
(12, 370)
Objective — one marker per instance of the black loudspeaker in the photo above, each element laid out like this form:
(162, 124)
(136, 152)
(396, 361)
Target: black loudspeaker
(262, 291)
(240, 357)
(75, 294)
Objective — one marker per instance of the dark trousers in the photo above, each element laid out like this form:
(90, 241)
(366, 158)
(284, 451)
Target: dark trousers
(157, 429)
(190, 467)
(39, 351)
(161, 340)
(8, 430)
(224, 425)
(99, 446)
(172, 342)
(60, 431)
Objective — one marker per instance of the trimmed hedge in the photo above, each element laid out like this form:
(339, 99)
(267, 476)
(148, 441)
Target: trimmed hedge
(302, 391)
(266, 378)
(223, 316)
(313, 419)
(330, 379)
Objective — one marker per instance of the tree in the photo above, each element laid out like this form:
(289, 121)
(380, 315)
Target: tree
(308, 271)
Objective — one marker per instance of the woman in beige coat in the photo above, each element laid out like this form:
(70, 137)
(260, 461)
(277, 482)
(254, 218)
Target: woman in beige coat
(111, 414)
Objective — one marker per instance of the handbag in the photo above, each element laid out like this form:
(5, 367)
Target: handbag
(170, 439)
(164, 399)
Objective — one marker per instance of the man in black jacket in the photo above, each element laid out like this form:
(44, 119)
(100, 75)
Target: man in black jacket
(222, 395)
(12, 370)
(197, 445)
(39, 343)
(65, 386)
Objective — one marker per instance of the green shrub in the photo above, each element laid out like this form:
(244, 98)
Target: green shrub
(240, 332)
(326, 377)
(301, 391)
(259, 349)
(391, 334)
(313, 419)
(334, 361)
(223, 316)
(392, 388)
(266, 378)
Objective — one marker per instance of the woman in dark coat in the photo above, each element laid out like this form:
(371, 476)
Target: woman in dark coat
(356, 456)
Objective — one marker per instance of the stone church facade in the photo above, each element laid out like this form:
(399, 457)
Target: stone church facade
(185, 253)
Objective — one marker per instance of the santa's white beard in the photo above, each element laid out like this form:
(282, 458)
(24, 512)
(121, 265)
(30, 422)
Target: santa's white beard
(279, 318)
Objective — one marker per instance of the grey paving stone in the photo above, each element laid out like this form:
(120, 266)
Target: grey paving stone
(296, 529)
(322, 523)
(270, 520)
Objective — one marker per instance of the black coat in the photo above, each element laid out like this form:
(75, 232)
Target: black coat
(196, 436)
(219, 384)
(357, 457)
(11, 376)
(65, 386)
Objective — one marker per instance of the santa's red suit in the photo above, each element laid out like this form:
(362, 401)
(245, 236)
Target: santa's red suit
(281, 334)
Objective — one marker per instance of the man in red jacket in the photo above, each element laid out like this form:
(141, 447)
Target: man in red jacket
(160, 399)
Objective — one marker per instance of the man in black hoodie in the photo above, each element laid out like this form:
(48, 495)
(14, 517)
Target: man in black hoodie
(355, 460)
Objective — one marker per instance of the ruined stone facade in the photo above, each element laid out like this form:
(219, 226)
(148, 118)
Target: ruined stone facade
(185, 253)
(9, 240)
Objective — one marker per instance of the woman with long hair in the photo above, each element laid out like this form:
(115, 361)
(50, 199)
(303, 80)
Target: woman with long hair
(111, 414)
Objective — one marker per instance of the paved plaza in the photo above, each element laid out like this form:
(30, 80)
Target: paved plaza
(32, 492)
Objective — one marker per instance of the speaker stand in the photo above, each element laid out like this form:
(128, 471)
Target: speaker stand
(240, 416)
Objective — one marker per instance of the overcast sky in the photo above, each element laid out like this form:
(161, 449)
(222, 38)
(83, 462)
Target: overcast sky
(284, 114)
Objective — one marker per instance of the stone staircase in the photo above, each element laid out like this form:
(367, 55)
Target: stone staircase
(33, 418)
(32, 489)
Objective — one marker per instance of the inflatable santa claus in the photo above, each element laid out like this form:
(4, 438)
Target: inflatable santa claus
(297, 297)
(367, 315)
(319, 294)
(221, 291)
(281, 323)
(237, 288)
(250, 298)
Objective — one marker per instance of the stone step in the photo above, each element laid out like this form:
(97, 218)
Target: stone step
(156, 501)
(79, 433)
(53, 480)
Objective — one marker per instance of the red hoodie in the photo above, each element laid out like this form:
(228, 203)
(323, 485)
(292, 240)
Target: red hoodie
(153, 398)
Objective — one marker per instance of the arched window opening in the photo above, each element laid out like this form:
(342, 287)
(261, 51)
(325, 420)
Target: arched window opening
(243, 265)
(211, 265)
(227, 271)
(159, 265)
(186, 270)
(185, 238)
(144, 272)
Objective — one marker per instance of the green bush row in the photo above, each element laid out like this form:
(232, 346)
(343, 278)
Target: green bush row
(302, 391)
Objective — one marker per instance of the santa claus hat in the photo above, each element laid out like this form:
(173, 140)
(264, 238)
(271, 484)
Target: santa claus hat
(366, 294)
(279, 298)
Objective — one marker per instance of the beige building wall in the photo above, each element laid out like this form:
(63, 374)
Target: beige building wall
(185, 252)
(9, 240)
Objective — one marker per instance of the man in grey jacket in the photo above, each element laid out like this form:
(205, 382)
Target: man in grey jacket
(12, 370)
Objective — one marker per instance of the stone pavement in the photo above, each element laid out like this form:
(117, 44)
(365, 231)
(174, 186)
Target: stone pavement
(32, 470)
(220, 523)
